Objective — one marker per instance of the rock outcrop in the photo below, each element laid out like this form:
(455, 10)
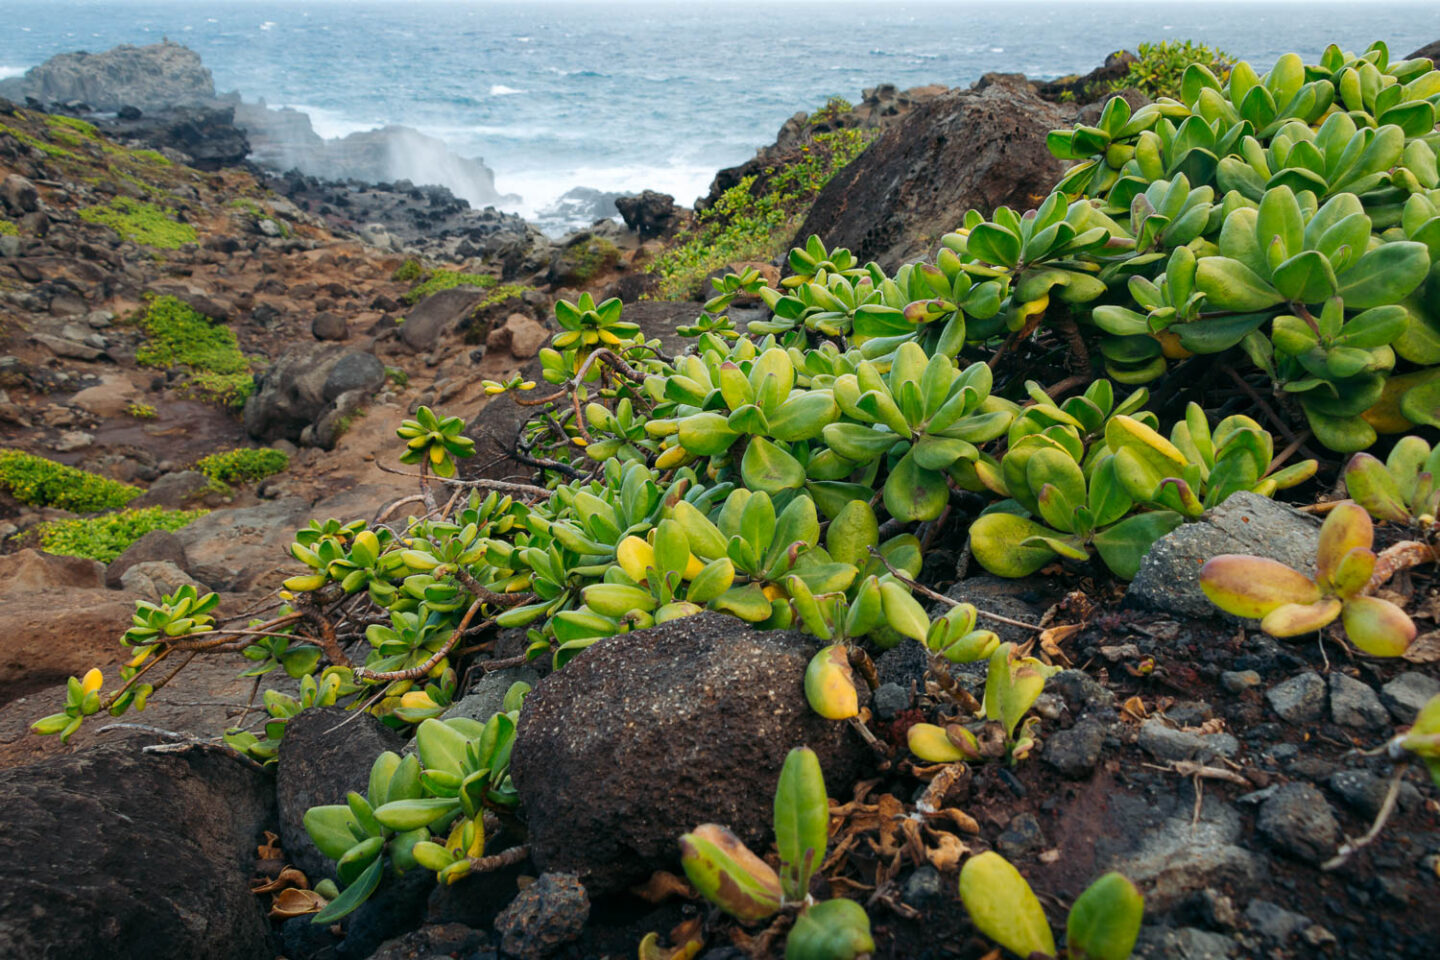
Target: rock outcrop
(980, 148)
(111, 852)
(150, 78)
(309, 391)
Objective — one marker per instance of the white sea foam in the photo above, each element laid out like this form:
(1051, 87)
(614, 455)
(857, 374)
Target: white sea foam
(268, 25)
(500, 90)
(539, 189)
(6, 72)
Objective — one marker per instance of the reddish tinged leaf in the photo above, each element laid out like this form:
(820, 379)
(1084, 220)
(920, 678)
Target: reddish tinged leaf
(1370, 485)
(1353, 572)
(1348, 526)
(1251, 587)
(1378, 627)
(1293, 619)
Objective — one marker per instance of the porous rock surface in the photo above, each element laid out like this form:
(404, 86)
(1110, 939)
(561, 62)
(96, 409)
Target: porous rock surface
(111, 852)
(981, 148)
(647, 735)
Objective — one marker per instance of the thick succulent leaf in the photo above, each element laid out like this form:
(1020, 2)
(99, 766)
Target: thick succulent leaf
(996, 538)
(830, 684)
(1104, 922)
(1370, 484)
(1003, 907)
(1294, 619)
(1251, 587)
(1346, 527)
(802, 820)
(914, 493)
(1377, 626)
(1125, 544)
(767, 467)
(728, 874)
(836, 929)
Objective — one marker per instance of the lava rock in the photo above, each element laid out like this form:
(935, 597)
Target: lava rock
(688, 722)
(978, 148)
(1166, 743)
(487, 696)
(433, 940)
(157, 545)
(1169, 576)
(329, 326)
(1023, 836)
(1025, 600)
(326, 752)
(890, 699)
(1297, 819)
(306, 385)
(439, 314)
(1075, 752)
(235, 549)
(398, 906)
(1407, 693)
(650, 214)
(544, 917)
(1355, 704)
(1274, 922)
(924, 888)
(111, 852)
(1301, 699)
(1365, 793)
(19, 195)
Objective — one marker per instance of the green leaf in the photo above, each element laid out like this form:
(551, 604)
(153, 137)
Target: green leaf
(802, 820)
(1003, 907)
(836, 929)
(1124, 545)
(996, 538)
(913, 493)
(767, 467)
(1105, 920)
(353, 895)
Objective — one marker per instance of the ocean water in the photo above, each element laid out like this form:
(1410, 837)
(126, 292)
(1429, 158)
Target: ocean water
(629, 95)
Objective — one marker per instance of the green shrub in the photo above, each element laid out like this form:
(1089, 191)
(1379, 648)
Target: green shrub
(49, 149)
(444, 280)
(179, 337)
(756, 218)
(408, 272)
(105, 537)
(141, 411)
(833, 109)
(45, 483)
(144, 223)
(243, 465)
(8, 228)
(82, 127)
(151, 156)
(1158, 67)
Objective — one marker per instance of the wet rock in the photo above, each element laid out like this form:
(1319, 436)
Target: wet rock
(1355, 704)
(660, 718)
(1274, 922)
(1407, 693)
(1169, 576)
(1297, 820)
(1075, 752)
(329, 326)
(980, 148)
(650, 214)
(326, 752)
(76, 879)
(1164, 742)
(1301, 699)
(544, 917)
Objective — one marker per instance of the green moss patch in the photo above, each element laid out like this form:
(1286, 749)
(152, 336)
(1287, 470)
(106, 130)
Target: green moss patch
(105, 537)
(144, 223)
(445, 280)
(179, 337)
(756, 218)
(243, 465)
(45, 483)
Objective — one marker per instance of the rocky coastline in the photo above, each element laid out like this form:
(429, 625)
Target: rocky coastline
(1216, 768)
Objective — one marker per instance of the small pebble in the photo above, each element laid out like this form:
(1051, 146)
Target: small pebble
(1238, 681)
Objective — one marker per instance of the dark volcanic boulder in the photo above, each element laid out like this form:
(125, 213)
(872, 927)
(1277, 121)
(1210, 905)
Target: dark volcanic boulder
(207, 134)
(980, 148)
(644, 736)
(649, 214)
(110, 852)
(1431, 51)
(307, 393)
(325, 753)
(439, 314)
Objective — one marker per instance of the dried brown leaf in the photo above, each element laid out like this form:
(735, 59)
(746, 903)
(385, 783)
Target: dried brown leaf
(661, 886)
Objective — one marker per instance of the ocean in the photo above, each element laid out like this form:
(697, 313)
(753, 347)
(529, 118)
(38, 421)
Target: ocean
(629, 95)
